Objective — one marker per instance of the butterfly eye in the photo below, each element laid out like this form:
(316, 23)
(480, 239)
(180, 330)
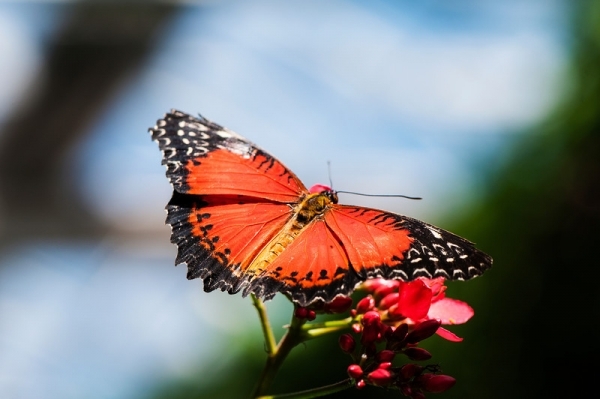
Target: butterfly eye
(333, 197)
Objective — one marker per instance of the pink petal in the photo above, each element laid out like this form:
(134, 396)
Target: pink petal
(414, 300)
(450, 336)
(319, 188)
(450, 311)
(437, 288)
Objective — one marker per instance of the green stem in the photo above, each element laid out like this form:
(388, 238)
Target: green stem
(264, 322)
(313, 393)
(347, 322)
(318, 332)
(275, 359)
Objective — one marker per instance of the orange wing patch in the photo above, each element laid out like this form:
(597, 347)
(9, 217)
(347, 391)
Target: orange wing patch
(314, 266)
(218, 236)
(335, 252)
(236, 229)
(371, 238)
(254, 175)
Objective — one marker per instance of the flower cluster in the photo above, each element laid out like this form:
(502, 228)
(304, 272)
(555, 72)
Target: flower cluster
(391, 320)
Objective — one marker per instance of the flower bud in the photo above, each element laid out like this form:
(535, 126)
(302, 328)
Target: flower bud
(385, 365)
(383, 331)
(418, 395)
(371, 330)
(423, 330)
(386, 289)
(380, 377)
(339, 304)
(395, 341)
(409, 370)
(365, 304)
(400, 332)
(373, 284)
(360, 384)
(354, 371)
(347, 343)
(301, 312)
(385, 356)
(436, 383)
(389, 300)
(357, 328)
(418, 354)
(371, 318)
(370, 334)
(311, 315)
(319, 188)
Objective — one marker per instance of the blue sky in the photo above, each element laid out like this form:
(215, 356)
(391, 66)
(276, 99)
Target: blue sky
(400, 97)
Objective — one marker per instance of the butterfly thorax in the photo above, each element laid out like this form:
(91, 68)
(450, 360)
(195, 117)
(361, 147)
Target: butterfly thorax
(310, 208)
(314, 205)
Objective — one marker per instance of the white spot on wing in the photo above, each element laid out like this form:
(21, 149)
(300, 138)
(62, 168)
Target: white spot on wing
(435, 233)
(421, 272)
(239, 147)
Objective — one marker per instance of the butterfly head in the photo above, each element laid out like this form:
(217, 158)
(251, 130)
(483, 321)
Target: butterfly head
(326, 191)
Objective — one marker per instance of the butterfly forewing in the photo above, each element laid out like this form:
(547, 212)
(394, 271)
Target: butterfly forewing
(204, 158)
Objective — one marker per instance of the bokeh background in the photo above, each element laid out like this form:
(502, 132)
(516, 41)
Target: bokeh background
(490, 110)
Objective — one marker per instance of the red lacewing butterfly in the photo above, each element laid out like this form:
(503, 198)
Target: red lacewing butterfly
(244, 222)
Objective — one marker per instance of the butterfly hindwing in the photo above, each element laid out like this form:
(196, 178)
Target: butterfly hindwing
(314, 267)
(351, 244)
(219, 236)
(396, 246)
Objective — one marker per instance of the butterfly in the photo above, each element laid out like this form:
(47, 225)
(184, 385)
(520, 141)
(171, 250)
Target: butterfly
(242, 221)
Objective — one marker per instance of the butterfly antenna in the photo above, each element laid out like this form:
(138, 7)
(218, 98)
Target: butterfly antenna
(380, 195)
(329, 173)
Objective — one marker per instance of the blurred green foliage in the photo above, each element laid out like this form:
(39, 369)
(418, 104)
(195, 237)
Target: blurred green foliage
(536, 319)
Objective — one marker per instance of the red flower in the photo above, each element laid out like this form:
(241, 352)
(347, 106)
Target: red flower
(420, 300)
(392, 319)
